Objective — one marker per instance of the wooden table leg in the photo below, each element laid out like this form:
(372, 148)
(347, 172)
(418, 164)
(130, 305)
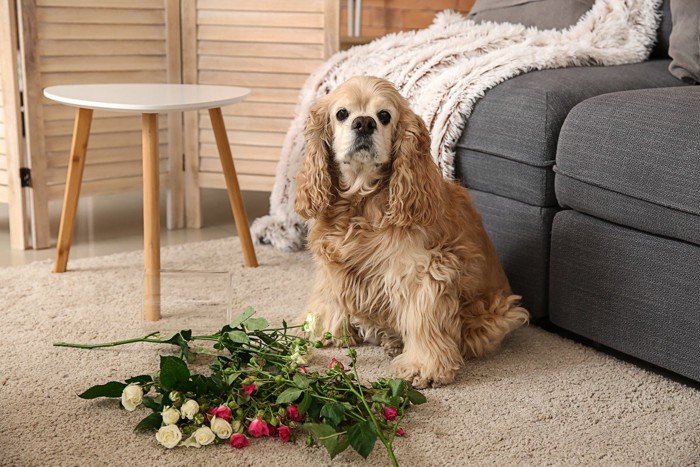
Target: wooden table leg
(234, 190)
(76, 165)
(151, 218)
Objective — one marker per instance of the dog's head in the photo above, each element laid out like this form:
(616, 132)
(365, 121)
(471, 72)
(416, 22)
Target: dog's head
(364, 137)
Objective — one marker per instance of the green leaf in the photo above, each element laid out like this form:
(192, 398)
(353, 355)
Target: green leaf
(152, 422)
(180, 339)
(247, 313)
(301, 381)
(154, 403)
(398, 386)
(289, 395)
(256, 324)
(173, 370)
(326, 435)
(416, 397)
(334, 412)
(381, 397)
(342, 444)
(111, 389)
(140, 379)
(239, 336)
(362, 437)
(305, 403)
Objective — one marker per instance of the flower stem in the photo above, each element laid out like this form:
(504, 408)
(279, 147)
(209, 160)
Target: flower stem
(111, 344)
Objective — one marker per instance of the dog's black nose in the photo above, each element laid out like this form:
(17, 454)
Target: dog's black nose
(364, 126)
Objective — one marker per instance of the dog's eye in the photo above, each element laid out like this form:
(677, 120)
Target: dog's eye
(384, 117)
(341, 114)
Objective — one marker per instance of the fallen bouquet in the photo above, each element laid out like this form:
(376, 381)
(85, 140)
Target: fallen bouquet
(259, 386)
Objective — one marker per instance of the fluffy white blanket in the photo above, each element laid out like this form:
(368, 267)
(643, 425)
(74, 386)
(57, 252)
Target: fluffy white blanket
(444, 69)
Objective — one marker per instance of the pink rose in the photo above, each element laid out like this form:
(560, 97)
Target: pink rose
(221, 411)
(301, 369)
(390, 413)
(239, 441)
(284, 433)
(334, 362)
(249, 388)
(258, 428)
(400, 432)
(293, 413)
(272, 430)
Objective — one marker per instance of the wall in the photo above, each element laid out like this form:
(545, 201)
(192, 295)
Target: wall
(380, 17)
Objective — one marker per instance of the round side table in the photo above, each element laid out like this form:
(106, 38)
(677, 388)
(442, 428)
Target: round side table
(148, 100)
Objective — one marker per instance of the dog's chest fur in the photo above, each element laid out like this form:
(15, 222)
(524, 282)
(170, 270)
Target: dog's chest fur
(371, 265)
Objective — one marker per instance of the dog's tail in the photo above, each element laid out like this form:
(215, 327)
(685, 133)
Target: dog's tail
(488, 320)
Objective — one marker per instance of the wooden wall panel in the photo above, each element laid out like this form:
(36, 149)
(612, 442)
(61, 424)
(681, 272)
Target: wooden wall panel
(269, 46)
(100, 41)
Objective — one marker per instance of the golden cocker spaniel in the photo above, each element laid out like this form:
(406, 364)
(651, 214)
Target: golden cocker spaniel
(401, 254)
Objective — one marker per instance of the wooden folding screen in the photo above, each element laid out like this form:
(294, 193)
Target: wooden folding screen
(11, 147)
(269, 46)
(98, 41)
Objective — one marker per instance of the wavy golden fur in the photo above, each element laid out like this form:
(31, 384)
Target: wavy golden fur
(401, 254)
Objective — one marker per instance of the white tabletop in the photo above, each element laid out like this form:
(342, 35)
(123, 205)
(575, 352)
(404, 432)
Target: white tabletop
(146, 98)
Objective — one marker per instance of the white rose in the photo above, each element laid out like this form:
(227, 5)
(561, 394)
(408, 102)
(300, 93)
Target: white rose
(221, 427)
(189, 409)
(204, 435)
(298, 359)
(170, 416)
(311, 324)
(191, 443)
(169, 436)
(132, 397)
(174, 396)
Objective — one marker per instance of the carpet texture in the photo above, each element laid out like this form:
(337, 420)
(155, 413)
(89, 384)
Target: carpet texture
(543, 400)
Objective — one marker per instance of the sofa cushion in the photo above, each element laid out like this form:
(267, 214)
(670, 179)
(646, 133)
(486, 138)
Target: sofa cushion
(520, 234)
(515, 126)
(633, 158)
(632, 291)
(544, 14)
(684, 43)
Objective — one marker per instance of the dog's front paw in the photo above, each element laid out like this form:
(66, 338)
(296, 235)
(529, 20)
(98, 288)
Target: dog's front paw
(422, 374)
(392, 345)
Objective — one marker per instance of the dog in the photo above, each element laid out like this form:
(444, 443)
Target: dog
(401, 256)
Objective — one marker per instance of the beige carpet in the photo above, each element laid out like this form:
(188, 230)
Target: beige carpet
(542, 401)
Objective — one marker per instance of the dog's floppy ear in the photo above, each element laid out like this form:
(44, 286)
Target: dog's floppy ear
(314, 183)
(415, 185)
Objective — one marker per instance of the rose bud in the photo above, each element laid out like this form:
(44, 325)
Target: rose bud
(239, 441)
(132, 397)
(293, 413)
(272, 430)
(336, 365)
(400, 432)
(258, 428)
(284, 433)
(221, 411)
(189, 409)
(170, 416)
(249, 388)
(390, 413)
(174, 396)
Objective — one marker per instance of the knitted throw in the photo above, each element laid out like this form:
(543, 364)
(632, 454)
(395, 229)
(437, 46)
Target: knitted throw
(444, 69)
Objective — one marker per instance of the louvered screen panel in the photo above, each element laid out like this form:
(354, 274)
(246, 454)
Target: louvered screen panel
(100, 41)
(269, 46)
(3, 151)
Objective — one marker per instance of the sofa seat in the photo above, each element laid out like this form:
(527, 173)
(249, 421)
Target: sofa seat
(625, 258)
(509, 145)
(620, 162)
(506, 153)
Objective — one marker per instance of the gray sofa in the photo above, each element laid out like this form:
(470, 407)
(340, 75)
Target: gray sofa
(588, 181)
